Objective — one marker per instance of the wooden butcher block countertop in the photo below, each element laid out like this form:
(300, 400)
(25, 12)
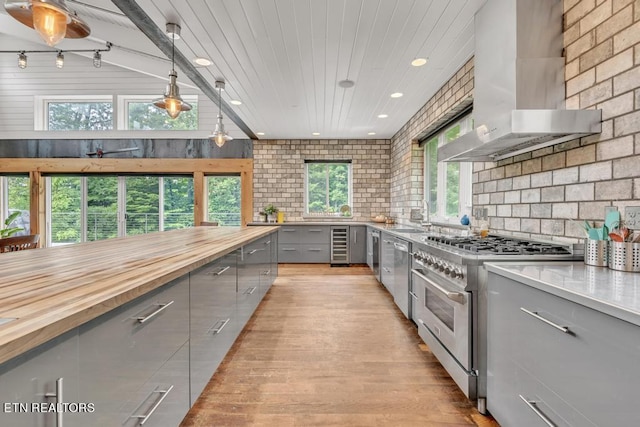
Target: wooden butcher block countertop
(53, 290)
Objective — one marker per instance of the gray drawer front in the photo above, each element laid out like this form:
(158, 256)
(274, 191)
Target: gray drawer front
(289, 234)
(592, 368)
(315, 234)
(303, 253)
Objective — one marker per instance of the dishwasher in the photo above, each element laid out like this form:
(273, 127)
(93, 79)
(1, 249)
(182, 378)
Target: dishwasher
(401, 281)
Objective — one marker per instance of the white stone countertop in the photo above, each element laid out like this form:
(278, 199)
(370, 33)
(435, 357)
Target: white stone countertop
(616, 293)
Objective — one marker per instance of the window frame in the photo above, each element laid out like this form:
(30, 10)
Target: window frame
(122, 115)
(41, 108)
(438, 213)
(308, 214)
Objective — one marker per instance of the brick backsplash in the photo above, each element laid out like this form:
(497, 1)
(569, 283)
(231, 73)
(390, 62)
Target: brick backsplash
(278, 174)
(548, 192)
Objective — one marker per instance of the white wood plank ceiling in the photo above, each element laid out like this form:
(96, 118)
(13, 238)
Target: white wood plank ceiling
(283, 59)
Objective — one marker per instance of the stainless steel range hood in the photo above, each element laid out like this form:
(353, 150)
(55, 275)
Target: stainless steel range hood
(519, 84)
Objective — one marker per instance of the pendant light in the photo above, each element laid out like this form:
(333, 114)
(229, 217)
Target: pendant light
(171, 101)
(51, 19)
(219, 136)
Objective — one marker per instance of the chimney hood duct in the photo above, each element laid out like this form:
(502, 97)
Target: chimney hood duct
(519, 84)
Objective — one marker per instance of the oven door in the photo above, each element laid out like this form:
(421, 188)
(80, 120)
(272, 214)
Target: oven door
(446, 313)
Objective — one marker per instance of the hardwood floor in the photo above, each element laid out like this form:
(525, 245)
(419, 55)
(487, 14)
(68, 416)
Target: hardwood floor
(328, 347)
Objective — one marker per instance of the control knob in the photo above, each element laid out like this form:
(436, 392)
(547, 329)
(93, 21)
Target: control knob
(457, 273)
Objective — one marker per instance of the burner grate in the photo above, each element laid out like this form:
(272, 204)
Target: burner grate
(499, 245)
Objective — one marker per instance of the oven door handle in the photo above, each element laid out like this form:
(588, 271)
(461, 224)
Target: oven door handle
(453, 296)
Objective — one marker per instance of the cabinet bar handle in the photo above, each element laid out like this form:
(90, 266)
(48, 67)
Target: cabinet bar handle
(533, 406)
(250, 290)
(145, 418)
(288, 230)
(266, 272)
(268, 242)
(315, 230)
(453, 296)
(413, 295)
(387, 241)
(222, 270)
(215, 330)
(315, 249)
(253, 252)
(143, 319)
(548, 322)
(289, 249)
(58, 396)
(400, 247)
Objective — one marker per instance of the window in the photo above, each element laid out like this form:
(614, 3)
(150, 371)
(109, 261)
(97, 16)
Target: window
(15, 197)
(98, 207)
(82, 113)
(447, 185)
(139, 113)
(223, 199)
(328, 187)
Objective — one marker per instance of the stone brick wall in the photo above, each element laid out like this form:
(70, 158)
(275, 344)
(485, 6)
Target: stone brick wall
(278, 174)
(407, 158)
(543, 193)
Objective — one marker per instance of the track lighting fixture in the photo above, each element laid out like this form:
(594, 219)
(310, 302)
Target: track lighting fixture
(51, 19)
(60, 60)
(97, 59)
(219, 136)
(171, 101)
(22, 60)
(22, 55)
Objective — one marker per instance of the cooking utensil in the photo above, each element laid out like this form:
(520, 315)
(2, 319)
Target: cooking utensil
(612, 220)
(616, 237)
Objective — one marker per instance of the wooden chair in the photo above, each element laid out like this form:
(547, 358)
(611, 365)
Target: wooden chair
(19, 243)
(209, 223)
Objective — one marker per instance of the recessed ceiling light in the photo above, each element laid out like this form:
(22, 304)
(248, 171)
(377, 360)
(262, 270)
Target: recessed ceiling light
(371, 133)
(260, 133)
(203, 62)
(316, 134)
(396, 94)
(419, 62)
(346, 83)
(235, 102)
(382, 116)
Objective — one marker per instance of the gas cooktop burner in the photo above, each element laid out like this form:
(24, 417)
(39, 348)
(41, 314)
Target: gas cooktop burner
(500, 245)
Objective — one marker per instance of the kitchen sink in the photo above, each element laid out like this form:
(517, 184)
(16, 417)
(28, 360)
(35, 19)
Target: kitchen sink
(4, 320)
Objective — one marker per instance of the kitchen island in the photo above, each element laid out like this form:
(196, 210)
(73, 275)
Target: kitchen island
(563, 344)
(112, 317)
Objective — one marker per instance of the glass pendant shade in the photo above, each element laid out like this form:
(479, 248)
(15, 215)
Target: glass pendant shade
(49, 22)
(51, 19)
(171, 101)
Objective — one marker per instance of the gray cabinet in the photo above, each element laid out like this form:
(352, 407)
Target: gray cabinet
(401, 276)
(35, 378)
(249, 271)
(387, 261)
(370, 247)
(357, 244)
(304, 244)
(214, 325)
(550, 358)
(122, 350)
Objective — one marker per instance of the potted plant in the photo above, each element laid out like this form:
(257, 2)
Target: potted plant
(270, 210)
(9, 231)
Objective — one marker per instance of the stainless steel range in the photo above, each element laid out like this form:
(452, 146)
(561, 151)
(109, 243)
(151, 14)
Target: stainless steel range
(449, 292)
